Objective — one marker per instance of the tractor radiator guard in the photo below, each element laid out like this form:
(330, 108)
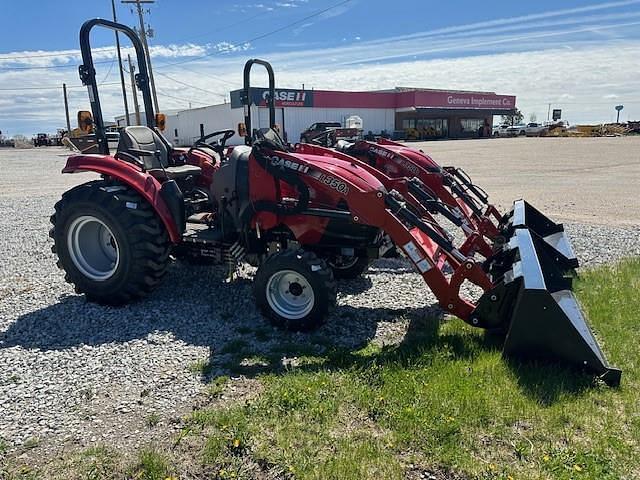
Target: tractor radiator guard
(526, 216)
(545, 320)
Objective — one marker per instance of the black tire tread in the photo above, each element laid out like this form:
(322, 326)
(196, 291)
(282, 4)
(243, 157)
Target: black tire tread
(149, 241)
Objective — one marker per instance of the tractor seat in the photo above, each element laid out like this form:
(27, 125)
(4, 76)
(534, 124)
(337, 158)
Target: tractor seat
(174, 173)
(343, 145)
(145, 139)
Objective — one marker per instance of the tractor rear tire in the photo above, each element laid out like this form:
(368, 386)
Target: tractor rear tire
(110, 242)
(348, 268)
(295, 290)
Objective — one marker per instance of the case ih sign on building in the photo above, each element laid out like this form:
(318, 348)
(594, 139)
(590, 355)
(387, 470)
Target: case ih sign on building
(285, 97)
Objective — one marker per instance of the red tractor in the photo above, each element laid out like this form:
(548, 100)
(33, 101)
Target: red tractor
(290, 213)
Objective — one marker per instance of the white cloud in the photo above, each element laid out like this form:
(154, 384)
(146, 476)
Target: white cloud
(580, 60)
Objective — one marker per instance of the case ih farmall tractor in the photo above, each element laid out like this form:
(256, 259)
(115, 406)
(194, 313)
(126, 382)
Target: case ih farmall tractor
(289, 212)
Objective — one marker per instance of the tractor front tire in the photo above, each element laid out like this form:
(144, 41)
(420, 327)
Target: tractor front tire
(295, 290)
(110, 242)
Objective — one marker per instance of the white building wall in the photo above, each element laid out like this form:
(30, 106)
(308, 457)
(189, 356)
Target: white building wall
(186, 123)
(298, 119)
(215, 117)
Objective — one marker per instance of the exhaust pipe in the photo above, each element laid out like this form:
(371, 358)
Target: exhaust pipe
(545, 318)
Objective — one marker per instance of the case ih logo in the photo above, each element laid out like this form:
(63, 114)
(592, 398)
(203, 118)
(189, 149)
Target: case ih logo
(284, 163)
(381, 152)
(288, 98)
(285, 97)
(401, 161)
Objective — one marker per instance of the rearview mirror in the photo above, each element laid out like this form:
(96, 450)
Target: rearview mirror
(161, 121)
(242, 130)
(85, 121)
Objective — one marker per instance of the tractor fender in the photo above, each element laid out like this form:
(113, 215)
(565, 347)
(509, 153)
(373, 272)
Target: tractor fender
(142, 182)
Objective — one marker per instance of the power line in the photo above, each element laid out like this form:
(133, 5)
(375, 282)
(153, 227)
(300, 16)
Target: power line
(189, 85)
(261, 36)
(162, 94)
(218, 30)
(217, 79)
(108, 73)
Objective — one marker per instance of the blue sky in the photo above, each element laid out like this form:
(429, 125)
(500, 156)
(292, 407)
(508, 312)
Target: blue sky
(583, 57)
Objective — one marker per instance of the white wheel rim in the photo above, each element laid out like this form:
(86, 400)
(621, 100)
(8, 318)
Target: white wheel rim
(93, 248)
(290, 295)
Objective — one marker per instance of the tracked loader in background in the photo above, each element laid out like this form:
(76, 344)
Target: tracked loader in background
(284, 211)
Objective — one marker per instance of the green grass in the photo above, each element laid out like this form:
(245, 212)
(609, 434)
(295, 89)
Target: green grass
(446, 401)
(152, 420)
(151, 464)
(201, 367)
(442, 402)
(216, 386)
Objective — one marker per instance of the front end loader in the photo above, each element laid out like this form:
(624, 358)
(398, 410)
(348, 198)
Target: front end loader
(286, 212)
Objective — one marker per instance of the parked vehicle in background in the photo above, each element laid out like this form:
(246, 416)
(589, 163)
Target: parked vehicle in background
(41, 140)
(351, 130)
(517, 130)
(535, 129)
(502, 131)
(6, 142)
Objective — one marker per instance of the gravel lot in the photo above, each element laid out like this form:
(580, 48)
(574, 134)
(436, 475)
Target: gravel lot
(73, 374)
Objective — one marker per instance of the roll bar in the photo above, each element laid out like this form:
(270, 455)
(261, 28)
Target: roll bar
(88, 76)
(248, 101)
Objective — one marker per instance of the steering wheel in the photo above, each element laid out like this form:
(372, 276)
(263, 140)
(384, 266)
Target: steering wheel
(216, 146)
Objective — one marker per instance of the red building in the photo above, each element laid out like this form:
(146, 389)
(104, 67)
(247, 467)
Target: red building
(409, 112)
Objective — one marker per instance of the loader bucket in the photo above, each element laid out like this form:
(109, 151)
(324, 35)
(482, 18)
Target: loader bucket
(524, 215)
(545, 320)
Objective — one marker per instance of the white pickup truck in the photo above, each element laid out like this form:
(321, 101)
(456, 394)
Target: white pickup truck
(533, 130)
(502, 131)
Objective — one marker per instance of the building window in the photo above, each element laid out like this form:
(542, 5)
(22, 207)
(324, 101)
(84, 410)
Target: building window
(408, 123)
(471, 125)
(433, 127)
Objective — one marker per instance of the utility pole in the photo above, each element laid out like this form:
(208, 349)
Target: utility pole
(124, 88)
(66, 107)
(143, 37)
(549, 113)
(132, 71)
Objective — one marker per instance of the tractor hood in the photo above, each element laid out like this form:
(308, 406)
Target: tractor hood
(344, 170)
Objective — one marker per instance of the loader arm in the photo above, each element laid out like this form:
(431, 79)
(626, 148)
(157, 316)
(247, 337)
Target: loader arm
(454, 188)
(418, 195)
(526, 292)
(370, 203)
